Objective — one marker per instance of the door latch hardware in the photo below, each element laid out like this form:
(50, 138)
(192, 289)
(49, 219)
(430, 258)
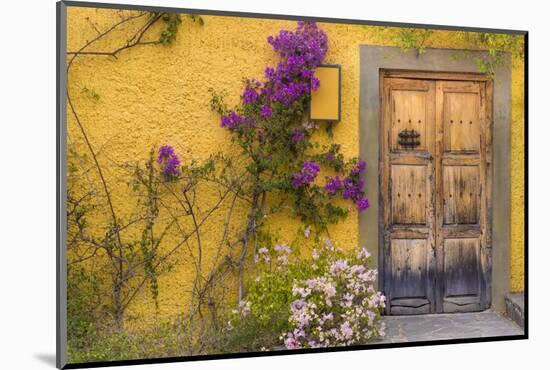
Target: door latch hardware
(409, 139)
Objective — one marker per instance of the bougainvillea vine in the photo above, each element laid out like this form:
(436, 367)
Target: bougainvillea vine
(168, 161)
(272, 128)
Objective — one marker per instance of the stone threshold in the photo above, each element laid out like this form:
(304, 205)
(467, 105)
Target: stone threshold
(420, 328)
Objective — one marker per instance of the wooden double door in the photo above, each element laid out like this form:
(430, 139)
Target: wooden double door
(435, 174)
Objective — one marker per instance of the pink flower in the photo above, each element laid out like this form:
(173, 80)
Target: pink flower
(291, 343)
(357, 269)
(346, 330)
(297, 304)
(371, 316)
(282, 248)
(327, 317)
(363, 253)
(283, 261)
(338, 266)
(348, 297)
(328, 244)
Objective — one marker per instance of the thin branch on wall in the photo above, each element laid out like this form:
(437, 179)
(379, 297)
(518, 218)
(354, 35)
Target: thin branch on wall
(101, 35)
(123, 269)
(135, 40)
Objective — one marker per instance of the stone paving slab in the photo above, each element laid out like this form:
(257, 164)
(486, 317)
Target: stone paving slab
(420, 328)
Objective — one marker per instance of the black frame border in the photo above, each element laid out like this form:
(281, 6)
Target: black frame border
(61, 119)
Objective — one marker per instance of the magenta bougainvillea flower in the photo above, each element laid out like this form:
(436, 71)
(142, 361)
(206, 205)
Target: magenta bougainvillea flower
(333, 185)
(265, 111)
(267, 122)
(301, 52)
(298, 136)
(350, 187)
(361, 166)
(250, 95)
(307, 174)
(235, 122)
(362, 203)
(169, 162)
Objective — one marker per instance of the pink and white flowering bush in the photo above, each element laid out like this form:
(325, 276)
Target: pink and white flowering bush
(326, 300)
(337, 307)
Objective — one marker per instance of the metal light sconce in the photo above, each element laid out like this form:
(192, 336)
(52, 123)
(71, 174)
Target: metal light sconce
(325, 101)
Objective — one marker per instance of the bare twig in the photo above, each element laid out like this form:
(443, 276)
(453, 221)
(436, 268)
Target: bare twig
(101, 35)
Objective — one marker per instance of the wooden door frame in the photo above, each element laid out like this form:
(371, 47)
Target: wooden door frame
(486, 157)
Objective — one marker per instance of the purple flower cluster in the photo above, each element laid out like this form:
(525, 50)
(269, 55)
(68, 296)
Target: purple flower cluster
(265, 111)
(351, 187)
(362, 203)
(168, 161)
(361, 166)
(307, 174)
(333, 185)
(233, 121)
(298, 136)
(250, 94)
(301, 52)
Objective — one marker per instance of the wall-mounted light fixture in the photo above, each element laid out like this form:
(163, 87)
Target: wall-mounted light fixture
(325, 101)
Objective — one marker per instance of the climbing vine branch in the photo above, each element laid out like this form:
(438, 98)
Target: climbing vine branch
(122, 256)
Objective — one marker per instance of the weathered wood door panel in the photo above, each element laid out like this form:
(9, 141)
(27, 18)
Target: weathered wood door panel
(462, 153)
(435, 160)
(409, 243)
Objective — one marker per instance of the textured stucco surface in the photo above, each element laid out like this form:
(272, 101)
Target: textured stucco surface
(518, 173)
(155, 95)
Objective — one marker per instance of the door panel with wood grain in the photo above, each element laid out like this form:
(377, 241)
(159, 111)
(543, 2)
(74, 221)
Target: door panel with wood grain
(434, 163)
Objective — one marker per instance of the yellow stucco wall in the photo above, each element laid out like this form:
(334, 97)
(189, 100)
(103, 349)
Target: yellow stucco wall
(518, 173)
(155, 95)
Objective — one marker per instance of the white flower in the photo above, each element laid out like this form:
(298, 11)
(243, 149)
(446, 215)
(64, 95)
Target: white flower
(262, 250)
(283, 260)
(363, 253)
(307, 231)
(315, 254)
(309, 125)
(338, 266)
(348, 297)
(244, 307)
